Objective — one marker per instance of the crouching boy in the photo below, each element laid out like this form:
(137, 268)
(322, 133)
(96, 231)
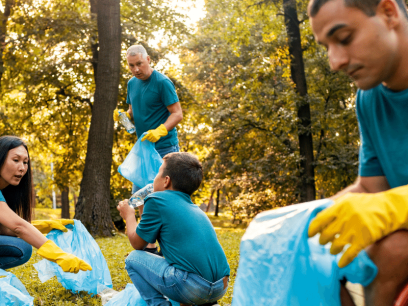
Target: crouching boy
(195, 270)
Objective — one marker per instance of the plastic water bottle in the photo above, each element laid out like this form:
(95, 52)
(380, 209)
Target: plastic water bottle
(107, 295)
(126, 122)
(138, 197)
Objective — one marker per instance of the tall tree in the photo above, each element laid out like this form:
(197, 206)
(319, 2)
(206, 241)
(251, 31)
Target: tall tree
(65, 203)
(92, 207)
(4, 17)
(297, 69)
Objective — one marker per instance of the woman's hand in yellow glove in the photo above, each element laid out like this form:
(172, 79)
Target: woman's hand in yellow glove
(68, 262)
(45, 226)
(155, 135)
(360, 219)
(116, 114)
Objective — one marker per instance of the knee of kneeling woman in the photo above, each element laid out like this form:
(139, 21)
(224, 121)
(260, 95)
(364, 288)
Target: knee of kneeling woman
(27, 251)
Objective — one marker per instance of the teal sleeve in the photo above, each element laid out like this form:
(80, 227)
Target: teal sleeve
(168, 92)
(127, 96)
(369, 164)
(149, 226)
(2, 199)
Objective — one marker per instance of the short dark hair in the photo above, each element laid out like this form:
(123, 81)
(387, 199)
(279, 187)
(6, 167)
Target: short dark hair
(367, 6)
(19, 198)
(184, 170)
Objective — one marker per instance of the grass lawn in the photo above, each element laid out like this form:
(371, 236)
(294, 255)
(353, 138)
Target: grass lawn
(115, 250)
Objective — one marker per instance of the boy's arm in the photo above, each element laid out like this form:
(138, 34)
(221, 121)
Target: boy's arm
(128, 214)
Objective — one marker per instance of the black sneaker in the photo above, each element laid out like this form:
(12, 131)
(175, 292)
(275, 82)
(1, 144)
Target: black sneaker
(153, 251)
(210, 304)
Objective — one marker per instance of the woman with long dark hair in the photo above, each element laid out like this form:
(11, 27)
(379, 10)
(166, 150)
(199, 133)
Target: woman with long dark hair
(17, 235)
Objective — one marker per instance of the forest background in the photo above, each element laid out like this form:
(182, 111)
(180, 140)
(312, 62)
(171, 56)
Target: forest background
(272, 125)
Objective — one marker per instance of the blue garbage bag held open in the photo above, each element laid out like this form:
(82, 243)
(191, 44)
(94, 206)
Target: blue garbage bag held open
(280, 266)
(142, 163)
(130, 297)
(12, 291)
(79, 242)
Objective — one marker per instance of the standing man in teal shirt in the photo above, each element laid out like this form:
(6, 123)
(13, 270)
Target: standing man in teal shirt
(153, 105)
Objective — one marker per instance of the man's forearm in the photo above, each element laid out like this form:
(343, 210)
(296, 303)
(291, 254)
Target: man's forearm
(130, 112)
(134, 239)
(131, 225)
(356, 188)
(173, 120)
(365, 184)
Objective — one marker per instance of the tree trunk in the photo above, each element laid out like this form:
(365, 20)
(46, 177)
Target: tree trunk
(210, 201)
(65, 203)
(217, 205)
(308, 188)
(94, 38)
(3, 32)
(93, 203)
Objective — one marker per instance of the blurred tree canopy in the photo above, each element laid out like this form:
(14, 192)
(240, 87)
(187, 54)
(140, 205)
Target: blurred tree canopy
(238, 67)
(47, 80)
(234, 82)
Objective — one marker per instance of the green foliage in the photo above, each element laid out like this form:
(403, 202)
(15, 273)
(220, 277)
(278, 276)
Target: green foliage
(240, 104)
(48, 83)
(237, 66)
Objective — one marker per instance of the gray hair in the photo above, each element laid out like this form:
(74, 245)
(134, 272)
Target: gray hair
(136, 49)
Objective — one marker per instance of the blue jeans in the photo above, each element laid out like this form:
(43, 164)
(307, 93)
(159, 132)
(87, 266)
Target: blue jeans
(156, 279)
(162, 152)
(13, 252)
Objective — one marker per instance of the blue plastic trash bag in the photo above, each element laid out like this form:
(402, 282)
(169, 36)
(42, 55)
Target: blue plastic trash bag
(142, 163)
(79, 242)
(280, 266)
(12, 291)
(130, 297)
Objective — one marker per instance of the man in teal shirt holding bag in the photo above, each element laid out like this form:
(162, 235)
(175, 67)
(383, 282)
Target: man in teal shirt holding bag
(153, 102)
(153, 105)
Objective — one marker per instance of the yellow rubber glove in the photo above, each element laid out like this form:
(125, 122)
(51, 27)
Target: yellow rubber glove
(68, 262)
(155, 135)
(116, 114)
(360, 219)
(45, 226)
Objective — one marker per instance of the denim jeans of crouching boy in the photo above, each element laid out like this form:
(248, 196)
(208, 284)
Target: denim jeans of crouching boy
(156, 280)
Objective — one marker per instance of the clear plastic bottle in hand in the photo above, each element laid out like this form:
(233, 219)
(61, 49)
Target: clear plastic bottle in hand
(138, 197)
(126, 122)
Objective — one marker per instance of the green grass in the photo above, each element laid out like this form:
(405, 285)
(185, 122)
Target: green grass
(224, 221)
(49, 213)
(115, 250)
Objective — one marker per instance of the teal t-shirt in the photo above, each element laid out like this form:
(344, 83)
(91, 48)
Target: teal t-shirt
(149, 100)
(2, 199)
(185, 234)
(383, 122)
